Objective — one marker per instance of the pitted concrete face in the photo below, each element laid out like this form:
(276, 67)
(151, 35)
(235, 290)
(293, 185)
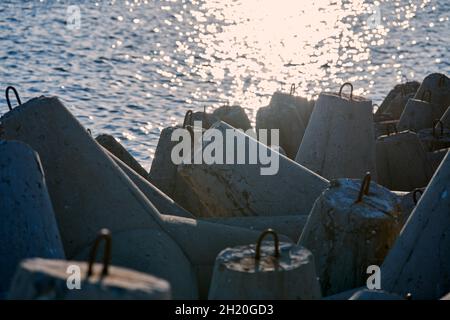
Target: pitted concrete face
(47, 279)
(419, 114)
(242, 258)
(378, 203)
(439, 86)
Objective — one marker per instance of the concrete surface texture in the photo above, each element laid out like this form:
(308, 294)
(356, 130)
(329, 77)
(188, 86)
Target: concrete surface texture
(339, 140)
(419, 262)
(402, 162)
(236, 189)
(239, 274)
(289, 114)
(351, 227)
(44, 279)
(112, 145)
(28, 227)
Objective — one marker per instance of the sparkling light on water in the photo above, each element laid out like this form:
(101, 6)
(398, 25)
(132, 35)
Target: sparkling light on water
(130, 68)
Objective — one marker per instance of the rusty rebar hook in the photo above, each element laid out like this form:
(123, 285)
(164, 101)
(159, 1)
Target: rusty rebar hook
(351, 89)
(293, 88)
(7, 96)
(261, 238)
(103, 234)
(365, 186)
(187, 119)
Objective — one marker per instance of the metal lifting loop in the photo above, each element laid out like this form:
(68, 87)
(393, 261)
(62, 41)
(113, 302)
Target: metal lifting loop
(187, 119)
(429, 95)
(435, 122)
(261, 238)
(292, 89)
(104, 234)
(351, 89)
(7, 96)
(415, 193)
(365, 185)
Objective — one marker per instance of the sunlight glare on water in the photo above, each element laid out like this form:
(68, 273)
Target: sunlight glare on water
(135, 67)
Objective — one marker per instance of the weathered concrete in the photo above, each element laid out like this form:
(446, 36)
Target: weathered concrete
(346, 235)
(405, 88)
(41, 279)
(241, 190)
(439, 86)
(235, 116)
(89, 192)
(160, 200)
(339, 141)
(435, 138)
(290, 226)
(284, 272)
(397, 105)
(419, 114)
(28, 227)
(164, 175)
(87, 188)
(290, 115)
(419, 262)
(152, 252)
(112, 145)
(202, 241)
(402, 162)
(366, 294)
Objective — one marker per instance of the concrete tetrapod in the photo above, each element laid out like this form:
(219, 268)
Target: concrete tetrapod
(235, 116)
(160, 200)
(38, 279)
(28, 227)
(419, 114)
(351, 227)
(398, 104)
(290, 226)
(339, 141)
(439, 86)
(112, 145)
(243, 188)
(89, 192)
(163, 173)
(290, 115)
(402, 162)
(264, 272)
(405, 88)
(419, 262)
